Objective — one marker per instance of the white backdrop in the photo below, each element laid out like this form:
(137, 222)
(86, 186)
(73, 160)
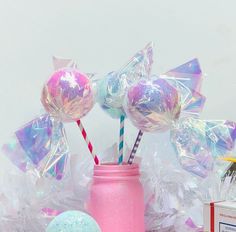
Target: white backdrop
(102, 35)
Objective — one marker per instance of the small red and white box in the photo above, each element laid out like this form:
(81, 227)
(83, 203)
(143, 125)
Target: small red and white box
(220, 216)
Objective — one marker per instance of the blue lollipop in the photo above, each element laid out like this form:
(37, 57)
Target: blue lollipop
(111, 90)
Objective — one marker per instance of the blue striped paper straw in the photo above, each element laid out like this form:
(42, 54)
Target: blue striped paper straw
(121, 142)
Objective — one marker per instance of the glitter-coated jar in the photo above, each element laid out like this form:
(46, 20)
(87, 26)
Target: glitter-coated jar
(116, 198)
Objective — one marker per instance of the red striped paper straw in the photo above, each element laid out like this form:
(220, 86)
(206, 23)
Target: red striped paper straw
(89, 144)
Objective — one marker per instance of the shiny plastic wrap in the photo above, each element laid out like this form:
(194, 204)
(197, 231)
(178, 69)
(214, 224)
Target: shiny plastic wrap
(172, 102)
(187, 79)
(198, 143)
(156, 104)
(188, 74)
(28, 203)
(40, 147)
(112, 88)
(68, 94)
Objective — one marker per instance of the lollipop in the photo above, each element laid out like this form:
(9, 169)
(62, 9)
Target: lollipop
(152, 105)
(111, 89)
(197, 143)
(68, 95)
(186, 80)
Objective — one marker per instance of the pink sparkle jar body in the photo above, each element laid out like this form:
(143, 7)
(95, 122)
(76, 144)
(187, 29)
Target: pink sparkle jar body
(116, 198)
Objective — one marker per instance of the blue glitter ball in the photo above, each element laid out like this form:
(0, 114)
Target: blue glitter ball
(73, 221)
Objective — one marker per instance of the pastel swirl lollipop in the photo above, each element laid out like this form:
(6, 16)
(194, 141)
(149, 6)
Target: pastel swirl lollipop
(155, 105)
(152, 105)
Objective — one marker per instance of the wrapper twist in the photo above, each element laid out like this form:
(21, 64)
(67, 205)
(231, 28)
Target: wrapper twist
(198, 143)
(40, 146)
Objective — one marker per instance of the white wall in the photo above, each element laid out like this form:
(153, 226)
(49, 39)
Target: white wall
(102, 35)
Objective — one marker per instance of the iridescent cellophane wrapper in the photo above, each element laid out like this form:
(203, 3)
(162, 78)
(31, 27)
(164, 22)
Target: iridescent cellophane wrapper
(59, 63)
(68, 94)
(152, 108)
(152, 105)
(40, 146)
(221, 135)
(187, 79)
(189, 74)
(34, 162)
(112, 88)
(198, 143)
(29, 203)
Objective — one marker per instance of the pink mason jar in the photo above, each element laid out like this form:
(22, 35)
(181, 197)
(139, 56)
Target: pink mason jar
(116, 198)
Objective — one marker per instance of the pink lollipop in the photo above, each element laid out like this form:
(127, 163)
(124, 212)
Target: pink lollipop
(68, 96)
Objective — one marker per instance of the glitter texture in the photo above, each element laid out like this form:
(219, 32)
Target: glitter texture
(73, 221)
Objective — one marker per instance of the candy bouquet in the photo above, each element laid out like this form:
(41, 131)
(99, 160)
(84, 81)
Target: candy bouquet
(180, 156)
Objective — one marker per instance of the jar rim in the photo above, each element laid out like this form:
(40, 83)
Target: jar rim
(112, 165)
(114, 169)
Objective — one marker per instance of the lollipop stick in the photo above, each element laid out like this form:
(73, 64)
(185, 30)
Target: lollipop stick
(90, 146)
(135, 147)
(121, 142)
